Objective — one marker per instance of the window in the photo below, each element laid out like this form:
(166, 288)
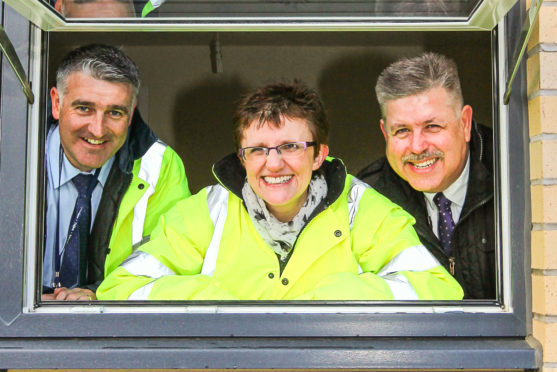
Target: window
(343, 66)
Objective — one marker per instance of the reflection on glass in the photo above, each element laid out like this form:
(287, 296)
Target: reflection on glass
(95, 8)
(225, 8)
(377, 8)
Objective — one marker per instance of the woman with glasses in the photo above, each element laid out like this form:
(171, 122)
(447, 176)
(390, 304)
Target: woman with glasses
(285, 222)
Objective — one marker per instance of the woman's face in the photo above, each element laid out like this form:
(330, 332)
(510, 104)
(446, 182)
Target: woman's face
(281, 183)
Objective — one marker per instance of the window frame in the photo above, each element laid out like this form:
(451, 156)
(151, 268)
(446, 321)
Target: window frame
(469, 334)
(485, 16)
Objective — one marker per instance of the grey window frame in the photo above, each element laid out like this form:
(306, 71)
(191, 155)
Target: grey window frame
(217, 336)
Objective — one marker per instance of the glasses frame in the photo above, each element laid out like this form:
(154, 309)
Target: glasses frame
(242, 151)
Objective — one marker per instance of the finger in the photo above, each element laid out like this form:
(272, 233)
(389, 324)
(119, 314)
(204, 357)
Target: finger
(61, 294)
(47, 296)
(74, 296)
(79, 294)
(59, 289)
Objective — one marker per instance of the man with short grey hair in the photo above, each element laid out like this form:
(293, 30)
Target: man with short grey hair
(109, 178)
(438, 166)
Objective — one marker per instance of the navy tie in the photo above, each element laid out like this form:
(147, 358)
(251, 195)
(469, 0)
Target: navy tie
(445, 223)
(78, 233)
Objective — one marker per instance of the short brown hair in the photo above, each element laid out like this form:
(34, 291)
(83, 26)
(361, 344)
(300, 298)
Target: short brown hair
(274, 102)
(410, 76)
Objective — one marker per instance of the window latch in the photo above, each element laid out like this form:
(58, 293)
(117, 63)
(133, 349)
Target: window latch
(522, 44)
(13, 59)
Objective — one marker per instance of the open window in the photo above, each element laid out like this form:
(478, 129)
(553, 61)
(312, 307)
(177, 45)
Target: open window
(338, 47)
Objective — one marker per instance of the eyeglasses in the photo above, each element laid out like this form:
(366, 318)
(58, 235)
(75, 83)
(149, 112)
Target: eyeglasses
(286, 150)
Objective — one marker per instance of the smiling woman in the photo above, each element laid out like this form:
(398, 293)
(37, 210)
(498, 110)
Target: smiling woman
(285, 223)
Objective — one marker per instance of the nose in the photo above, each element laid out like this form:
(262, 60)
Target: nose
(96, 125)
(418, 143)
(274, 160)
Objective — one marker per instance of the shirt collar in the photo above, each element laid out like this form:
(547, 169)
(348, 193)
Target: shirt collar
(456, 192)
(68, 170)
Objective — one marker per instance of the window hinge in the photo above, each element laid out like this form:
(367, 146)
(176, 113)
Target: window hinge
(13, 59)
(520, 48)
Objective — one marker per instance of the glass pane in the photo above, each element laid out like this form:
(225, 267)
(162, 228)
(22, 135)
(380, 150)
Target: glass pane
(401, 9)
(190, 106)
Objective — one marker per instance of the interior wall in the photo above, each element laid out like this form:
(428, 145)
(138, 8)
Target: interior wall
(190, 107)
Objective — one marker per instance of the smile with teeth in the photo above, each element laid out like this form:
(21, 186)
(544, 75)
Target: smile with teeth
(424, 164)
(93, 141)
(277, 180)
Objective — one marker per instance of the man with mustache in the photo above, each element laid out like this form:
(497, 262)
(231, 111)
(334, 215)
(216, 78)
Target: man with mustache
(109, 178)
(438, 167)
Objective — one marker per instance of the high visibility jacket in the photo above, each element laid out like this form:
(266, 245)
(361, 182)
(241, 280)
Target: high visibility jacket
(356, 246)
(146, 180)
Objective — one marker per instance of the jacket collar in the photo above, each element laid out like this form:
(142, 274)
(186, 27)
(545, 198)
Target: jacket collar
(139, 139)
(230, 173)
(480, 181)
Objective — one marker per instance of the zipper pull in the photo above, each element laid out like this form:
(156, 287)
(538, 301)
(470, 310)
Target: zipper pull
(451, 265)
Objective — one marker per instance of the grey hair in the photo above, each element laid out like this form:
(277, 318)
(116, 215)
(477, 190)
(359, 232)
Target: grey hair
(410, 76)
(101, 62)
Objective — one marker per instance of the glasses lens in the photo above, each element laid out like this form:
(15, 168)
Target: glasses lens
(292, 149)
(252, 153)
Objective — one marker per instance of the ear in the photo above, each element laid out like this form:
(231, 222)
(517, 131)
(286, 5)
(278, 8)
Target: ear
(466, 121)
(131, 116)
(320, 158)
(241, 160)
(383, 130)
(55, 99)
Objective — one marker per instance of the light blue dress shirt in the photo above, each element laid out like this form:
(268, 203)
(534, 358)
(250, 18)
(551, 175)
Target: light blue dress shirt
(61, 193)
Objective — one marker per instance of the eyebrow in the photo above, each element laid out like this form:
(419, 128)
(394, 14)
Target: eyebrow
(428, 121)
(78, 102)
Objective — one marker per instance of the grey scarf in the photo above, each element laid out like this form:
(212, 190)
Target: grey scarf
(281, 236)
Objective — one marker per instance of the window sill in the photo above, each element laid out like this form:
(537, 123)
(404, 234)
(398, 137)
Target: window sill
(274, 353)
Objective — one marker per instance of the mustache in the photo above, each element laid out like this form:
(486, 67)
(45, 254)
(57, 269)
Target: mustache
(423, 156)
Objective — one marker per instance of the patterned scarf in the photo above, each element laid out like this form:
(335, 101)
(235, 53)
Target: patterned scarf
(281, 236)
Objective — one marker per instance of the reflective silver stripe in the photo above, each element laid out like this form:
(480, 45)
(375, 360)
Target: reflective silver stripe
(142, 293)
(355, 194)
(415, 258)
(217, 202)
(140, 263)
(149, 171)
(401, 288)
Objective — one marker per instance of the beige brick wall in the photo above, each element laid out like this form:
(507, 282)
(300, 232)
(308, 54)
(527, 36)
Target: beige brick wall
(542, 112)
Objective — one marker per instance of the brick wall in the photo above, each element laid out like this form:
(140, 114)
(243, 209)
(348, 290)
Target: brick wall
(542, 109)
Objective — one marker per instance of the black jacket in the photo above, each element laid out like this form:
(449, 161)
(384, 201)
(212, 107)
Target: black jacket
(473, 242)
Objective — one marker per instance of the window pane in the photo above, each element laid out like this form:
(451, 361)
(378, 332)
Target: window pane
(251, 8)
(183, 100)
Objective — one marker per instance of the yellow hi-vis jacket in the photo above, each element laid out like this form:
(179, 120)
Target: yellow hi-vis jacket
(359, 246)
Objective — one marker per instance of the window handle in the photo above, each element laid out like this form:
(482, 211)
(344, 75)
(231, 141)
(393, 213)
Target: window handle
(520, 47)
(13, 59)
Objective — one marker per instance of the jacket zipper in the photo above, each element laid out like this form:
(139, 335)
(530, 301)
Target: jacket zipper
(452, 264)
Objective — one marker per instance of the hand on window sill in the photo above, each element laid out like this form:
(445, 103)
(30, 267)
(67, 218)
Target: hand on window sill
(65, 294)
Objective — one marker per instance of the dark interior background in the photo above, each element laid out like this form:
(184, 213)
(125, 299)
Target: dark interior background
(190, 107)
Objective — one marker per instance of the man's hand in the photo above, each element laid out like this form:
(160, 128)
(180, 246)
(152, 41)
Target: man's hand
(65, 294)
